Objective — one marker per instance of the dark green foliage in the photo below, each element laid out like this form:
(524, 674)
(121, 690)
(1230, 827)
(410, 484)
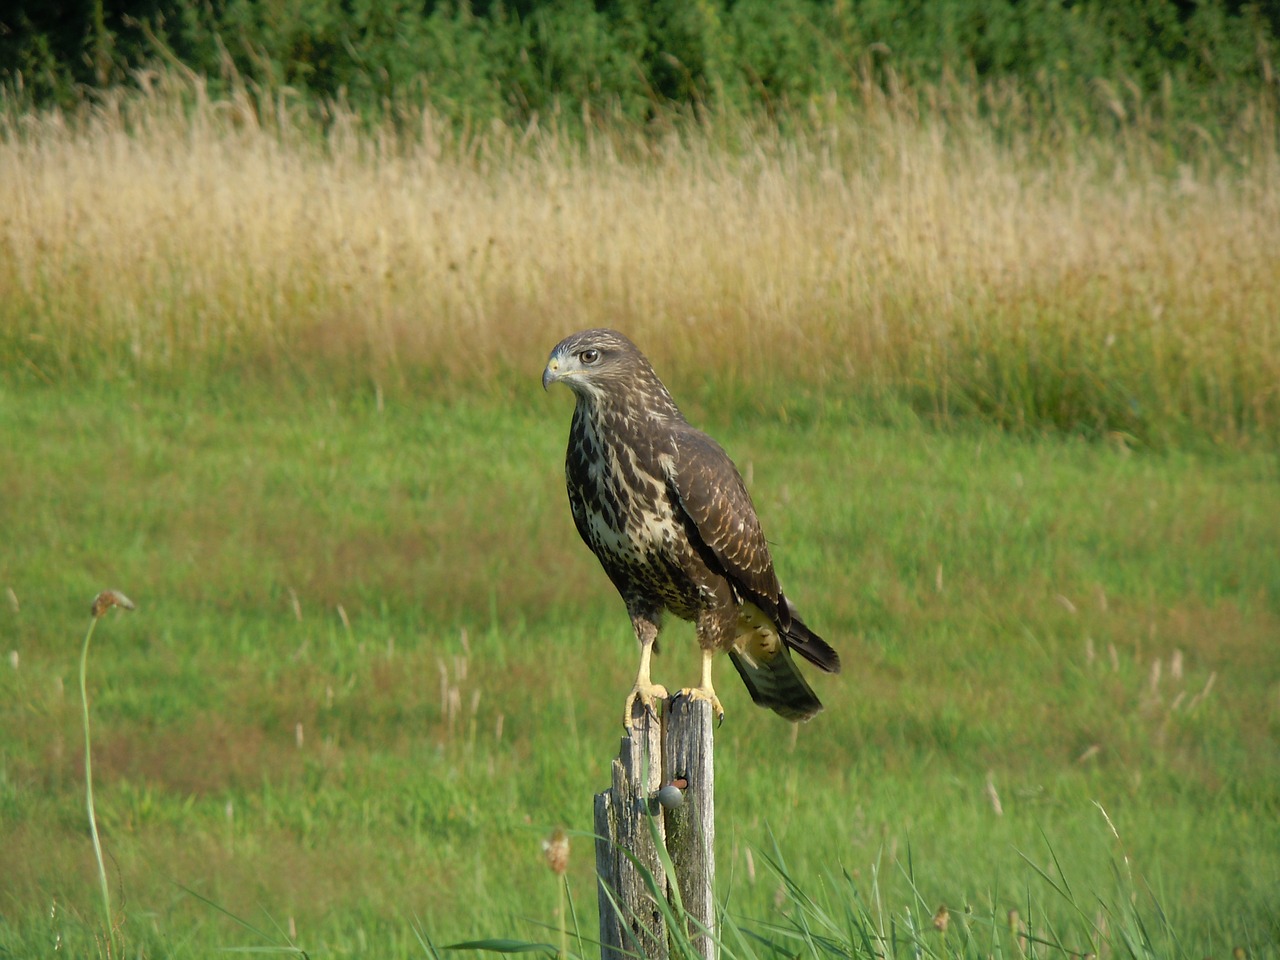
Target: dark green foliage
(523, 60)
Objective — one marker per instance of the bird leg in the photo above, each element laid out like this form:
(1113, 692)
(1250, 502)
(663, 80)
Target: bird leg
(645, 690)
(704, 691)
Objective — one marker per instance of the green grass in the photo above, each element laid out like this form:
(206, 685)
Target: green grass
(372, 667)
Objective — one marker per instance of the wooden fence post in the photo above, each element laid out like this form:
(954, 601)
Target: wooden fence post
(628, 817)
(687, 758)
(630, 922)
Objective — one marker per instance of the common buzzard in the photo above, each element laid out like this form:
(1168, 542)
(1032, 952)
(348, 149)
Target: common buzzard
(667, 513)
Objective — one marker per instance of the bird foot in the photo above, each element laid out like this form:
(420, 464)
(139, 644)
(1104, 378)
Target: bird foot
(649, 695)
(707, 694)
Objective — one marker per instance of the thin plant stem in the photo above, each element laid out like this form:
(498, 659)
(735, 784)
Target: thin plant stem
(88, 784)
(564, 922)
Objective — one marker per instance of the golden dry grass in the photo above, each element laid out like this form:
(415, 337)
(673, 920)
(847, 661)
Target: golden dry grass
(965, 268)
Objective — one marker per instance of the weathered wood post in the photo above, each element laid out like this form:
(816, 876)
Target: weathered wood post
(630, 922)
(678, 749)
(687, 757)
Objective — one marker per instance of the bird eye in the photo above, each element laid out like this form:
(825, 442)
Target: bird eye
(589, 356)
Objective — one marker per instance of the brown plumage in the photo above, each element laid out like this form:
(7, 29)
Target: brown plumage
(667, 513)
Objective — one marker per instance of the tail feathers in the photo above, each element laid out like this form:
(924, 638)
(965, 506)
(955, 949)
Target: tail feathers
(777, 684)
(811, 646)
(803, 640)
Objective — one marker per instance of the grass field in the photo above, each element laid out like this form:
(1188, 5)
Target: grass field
(1009, 417)
(372, 667)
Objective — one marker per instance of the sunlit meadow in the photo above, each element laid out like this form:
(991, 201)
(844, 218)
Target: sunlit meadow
(1011, 272)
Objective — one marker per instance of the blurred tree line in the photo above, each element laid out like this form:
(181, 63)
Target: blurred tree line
(521, 59)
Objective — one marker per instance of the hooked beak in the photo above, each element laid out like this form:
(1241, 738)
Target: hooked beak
(552, 373)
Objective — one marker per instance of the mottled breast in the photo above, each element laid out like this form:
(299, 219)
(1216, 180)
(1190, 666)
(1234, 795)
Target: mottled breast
(624, 512)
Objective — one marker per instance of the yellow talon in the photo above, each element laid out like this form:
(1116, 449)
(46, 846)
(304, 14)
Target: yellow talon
(707, 694)
(704, 690)
(649, 694)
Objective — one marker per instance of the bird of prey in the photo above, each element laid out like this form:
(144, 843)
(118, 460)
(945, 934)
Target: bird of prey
(668, 515)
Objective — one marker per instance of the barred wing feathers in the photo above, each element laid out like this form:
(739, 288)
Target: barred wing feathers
(722, 525)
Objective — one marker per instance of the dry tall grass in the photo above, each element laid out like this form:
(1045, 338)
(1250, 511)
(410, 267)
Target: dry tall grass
(970, 270)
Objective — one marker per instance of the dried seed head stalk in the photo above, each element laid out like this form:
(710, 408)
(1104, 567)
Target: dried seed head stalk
(942, 919)
(108, 599)
(556, 849)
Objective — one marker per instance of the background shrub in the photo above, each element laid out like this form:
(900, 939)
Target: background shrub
(1193, 61)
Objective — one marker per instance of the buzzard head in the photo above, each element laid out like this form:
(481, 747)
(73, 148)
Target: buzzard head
(607, 372)
(595, 363)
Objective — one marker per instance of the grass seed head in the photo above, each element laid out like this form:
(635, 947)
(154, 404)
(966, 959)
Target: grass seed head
(556, 849)
(108, 599)
(941, 918)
